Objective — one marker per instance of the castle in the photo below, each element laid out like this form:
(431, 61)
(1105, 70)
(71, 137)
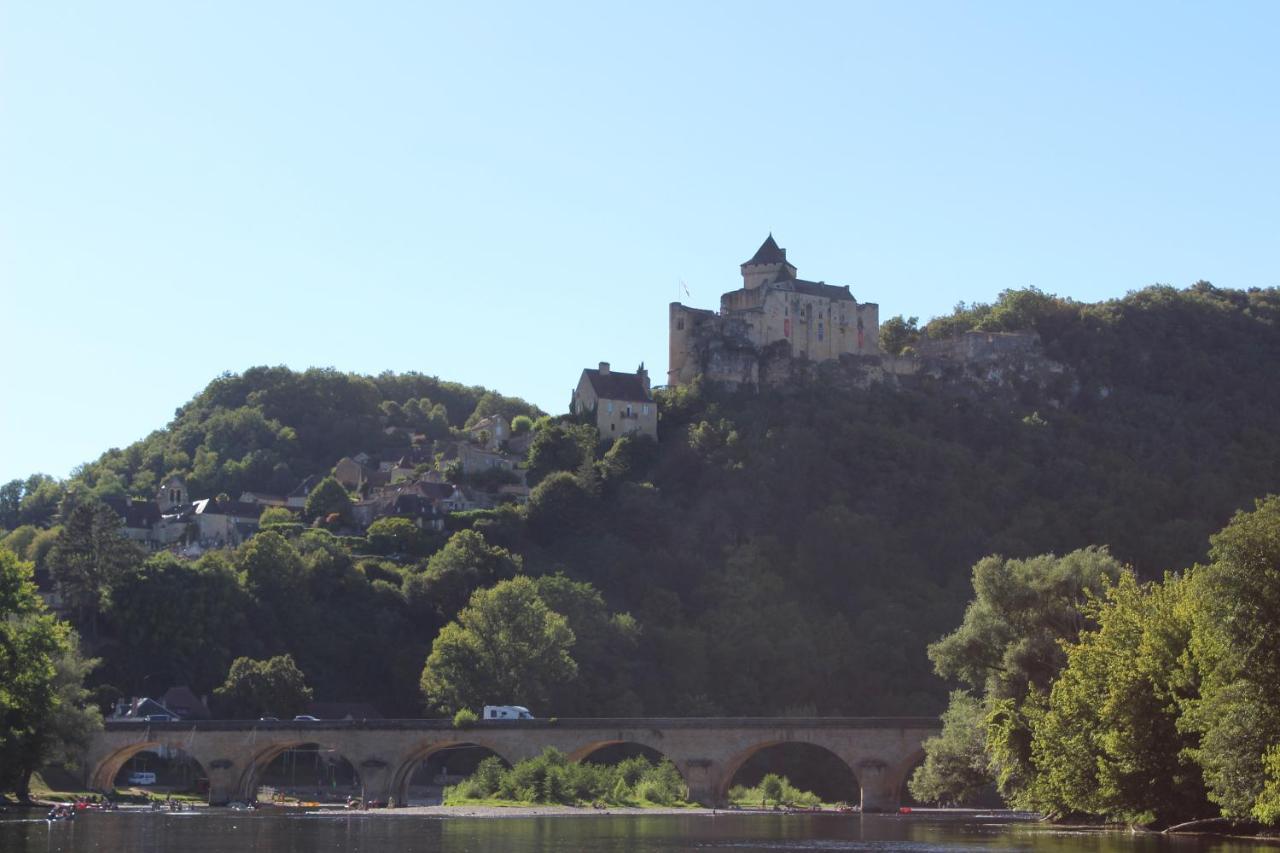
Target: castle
(773, 310)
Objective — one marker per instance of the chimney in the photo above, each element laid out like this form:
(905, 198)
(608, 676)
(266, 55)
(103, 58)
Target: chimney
(644, 377)
(604, 368)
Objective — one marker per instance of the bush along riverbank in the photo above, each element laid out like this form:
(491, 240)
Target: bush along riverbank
(772, 790)
(552, 779)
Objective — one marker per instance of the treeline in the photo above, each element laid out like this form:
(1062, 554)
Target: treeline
(1091, 692)
(266, 429)
(787, 551)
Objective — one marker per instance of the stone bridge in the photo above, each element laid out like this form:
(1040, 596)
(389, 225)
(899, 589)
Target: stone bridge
(880, 751)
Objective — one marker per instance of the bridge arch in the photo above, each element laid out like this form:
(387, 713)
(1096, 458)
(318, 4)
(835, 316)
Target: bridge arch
(102, 776)
(586, 751)
(261, 758)
(739, 761)
(409, 761)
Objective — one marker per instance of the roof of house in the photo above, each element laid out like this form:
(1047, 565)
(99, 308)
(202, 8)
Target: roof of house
(304, 488)
(184, 703)
(820, 288)
(617, 386)
(135, 513)
(769, 253)
(485, 423)
(210, 506)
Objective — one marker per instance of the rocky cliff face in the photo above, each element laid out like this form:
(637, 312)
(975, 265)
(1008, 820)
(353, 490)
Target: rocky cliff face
(972, 363)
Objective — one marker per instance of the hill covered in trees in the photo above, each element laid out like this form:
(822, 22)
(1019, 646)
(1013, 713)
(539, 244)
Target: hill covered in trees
(779, 550)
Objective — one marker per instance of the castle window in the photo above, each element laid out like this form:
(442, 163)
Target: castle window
(644, 410)
(609, 407)
(819, 330)
(680, 324)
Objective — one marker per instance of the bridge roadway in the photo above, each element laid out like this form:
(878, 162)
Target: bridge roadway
(881, 751)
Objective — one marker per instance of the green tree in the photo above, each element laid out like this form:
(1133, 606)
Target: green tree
(896, 334)
(1010, 646)
(466, 563)
(1108, 743)
(273, 687)
(772, 787)
(506, 646)
(74, 720)
(956, 769)
(181, 621)
(393, 536)
(87, 557)
(328, 498)
(560, 446)
(276, 515)
(1237, 651)
(32, 643)
(521, 424)
(605, 649)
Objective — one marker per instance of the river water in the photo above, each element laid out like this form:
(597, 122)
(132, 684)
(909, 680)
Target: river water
(237, 832)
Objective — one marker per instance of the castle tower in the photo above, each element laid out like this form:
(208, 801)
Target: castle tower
(767, 265)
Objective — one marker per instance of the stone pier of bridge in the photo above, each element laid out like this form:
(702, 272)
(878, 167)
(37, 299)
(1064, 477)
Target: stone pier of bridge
(708, 752)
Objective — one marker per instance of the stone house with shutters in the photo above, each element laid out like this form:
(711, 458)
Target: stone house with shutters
(619, 403)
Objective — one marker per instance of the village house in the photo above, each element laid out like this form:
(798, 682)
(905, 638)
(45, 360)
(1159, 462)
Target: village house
(619, 403)
(225, 523)
(491, 433)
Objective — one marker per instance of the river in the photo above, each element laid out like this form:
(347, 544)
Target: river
(237, 832)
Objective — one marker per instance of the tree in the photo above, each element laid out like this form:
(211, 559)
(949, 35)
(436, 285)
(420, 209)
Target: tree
(605, 648)
(558, 507)
(1237, 652)
(393, 536)
(1010, 647)
(32, 642)
(506, 646)
(10, 504)
(521, 424)
(254, 688)
(956, 769)
(772, 788)
(74, 720)
(327, 498)
(276, 515)
(87, 557)
(181, 621)
(1109, 742)
(466, 563)
(896, 334)
(559, 446)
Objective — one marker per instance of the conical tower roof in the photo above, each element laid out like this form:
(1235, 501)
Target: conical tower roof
(768, 253)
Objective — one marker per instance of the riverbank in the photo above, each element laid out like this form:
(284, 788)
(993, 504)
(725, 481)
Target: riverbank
(490, 811)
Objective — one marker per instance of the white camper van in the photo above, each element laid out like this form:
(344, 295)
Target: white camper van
(507, 712)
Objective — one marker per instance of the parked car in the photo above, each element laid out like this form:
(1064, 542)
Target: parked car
(142, 777)
(306, 718)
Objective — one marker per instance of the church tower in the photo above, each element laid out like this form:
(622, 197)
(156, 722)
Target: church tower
(767, 265)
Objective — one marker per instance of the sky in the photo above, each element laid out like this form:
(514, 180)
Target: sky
(504, 194)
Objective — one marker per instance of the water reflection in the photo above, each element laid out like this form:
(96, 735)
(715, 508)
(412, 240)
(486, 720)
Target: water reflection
(227, 832)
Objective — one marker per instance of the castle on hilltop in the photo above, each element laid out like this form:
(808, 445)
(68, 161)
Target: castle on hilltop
(773, 310)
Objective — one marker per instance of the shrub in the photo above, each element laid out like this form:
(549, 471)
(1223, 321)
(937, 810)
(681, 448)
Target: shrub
(465, 717)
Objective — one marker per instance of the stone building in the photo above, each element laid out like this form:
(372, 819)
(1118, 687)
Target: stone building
(773, 309)
(619, 402)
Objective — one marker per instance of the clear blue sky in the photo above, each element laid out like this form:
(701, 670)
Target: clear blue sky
(503, 195)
